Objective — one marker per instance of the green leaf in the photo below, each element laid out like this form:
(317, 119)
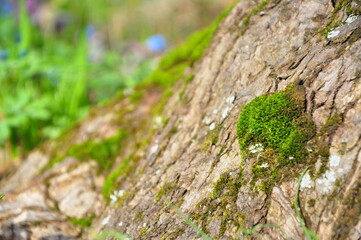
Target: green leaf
(4, 131)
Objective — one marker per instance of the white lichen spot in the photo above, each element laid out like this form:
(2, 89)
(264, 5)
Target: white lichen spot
(344, 170)
(157, 122)
(230, 99)
(207, 120)
(154, 149)
(264, 165)
(306, 181)
(212, 126)
(113, 199)
(327, 181)
(215, 112)
(225, 112)
(106, 220)
(115, 195)
(335, 160)
(332, 34)
(351, 18)
(256, 148)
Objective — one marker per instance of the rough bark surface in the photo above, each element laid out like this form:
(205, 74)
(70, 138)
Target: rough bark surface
(196, 144)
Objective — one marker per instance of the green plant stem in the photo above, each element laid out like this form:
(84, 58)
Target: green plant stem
(309, 234)
(188, 221)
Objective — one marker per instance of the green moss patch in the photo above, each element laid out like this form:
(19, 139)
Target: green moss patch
(247, 18)
(103, 152)
(82, 222)
(277, 121)
(165, 190)
(112, 178)
(335, 19)
(275, 128)
(221, 204)
(173, 64)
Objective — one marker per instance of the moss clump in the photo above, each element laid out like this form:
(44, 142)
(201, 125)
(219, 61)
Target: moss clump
(322, 144)
(102, 152)
(247, 18)
(138, 217)
(173, 234)
(221, 204)
(331, 124)
(185, 85)
(82, 222)
(167, 189)
(158, 108)
(277, 121)
(172, 65)
(143, 232)
(335, 19)
(110, 181)
(212, 137)
(351, 211)
(277, 129)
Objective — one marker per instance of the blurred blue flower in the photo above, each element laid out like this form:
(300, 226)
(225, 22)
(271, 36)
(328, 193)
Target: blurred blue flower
(4, 54)
(89, 31)
(6, 8)
(156, 43)
(23, 53)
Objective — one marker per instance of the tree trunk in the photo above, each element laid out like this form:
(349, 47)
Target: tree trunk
(180, 161)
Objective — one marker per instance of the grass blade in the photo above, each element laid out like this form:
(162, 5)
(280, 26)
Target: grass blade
(309, 234)
(188, 221)
(24, 27)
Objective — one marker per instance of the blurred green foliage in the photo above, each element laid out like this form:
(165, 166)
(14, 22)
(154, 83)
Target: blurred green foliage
(172, 65)
(47, 83)
(48, 79)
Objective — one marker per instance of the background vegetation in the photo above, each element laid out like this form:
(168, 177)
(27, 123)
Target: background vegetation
(58, 58)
